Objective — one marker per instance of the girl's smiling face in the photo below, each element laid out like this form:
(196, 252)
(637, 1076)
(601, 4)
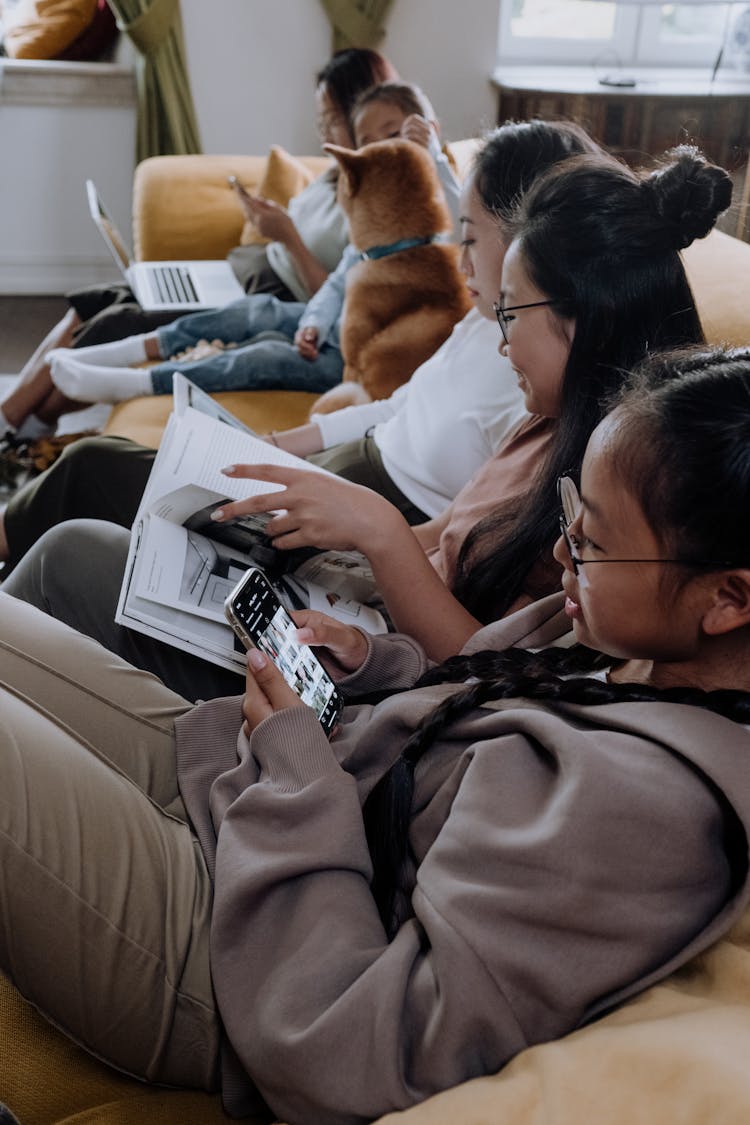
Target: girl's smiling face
(377, 121)
(539, 340)
(482, 250)
(630, 610)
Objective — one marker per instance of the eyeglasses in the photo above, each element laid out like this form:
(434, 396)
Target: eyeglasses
(570, 502)
(504, 320)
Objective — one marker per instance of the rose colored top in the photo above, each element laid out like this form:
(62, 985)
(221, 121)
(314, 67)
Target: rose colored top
(502, 477)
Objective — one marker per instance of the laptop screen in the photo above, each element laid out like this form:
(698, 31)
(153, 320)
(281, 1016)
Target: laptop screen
(107, 228)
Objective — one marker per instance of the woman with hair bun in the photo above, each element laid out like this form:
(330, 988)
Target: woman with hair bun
(503, 849)
(592, 282)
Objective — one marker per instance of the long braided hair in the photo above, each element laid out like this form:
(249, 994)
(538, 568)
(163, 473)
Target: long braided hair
(683, 449)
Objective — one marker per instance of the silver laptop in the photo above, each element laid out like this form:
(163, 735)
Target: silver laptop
(166, 286)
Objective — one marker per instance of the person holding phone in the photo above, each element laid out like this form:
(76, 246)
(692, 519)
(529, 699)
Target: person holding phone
(503, 849)
(258, 341)
(261, 622)
(308, 239)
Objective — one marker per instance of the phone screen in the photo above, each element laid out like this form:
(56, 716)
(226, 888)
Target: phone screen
(255, 612)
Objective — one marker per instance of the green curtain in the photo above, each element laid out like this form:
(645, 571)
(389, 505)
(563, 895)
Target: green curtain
(357, 23)
(166, 115)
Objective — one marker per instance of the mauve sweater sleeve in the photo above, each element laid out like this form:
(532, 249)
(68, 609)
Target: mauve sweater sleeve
(555, 866)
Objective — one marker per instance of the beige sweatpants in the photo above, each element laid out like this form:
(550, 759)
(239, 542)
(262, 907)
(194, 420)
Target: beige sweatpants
(105, 899)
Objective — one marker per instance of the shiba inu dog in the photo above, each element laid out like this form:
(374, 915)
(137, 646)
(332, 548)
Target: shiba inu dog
(406, 293)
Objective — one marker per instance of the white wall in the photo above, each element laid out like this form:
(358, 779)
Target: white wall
(59, 124)
(252, 66)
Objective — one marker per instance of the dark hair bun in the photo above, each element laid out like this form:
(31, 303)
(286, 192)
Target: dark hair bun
(688, 194)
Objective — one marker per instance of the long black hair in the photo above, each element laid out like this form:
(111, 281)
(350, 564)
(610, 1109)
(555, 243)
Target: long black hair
(513, 155)
(351, 71)
(680, 444)
(602, 243)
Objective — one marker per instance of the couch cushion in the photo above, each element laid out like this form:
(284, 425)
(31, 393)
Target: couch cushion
(183, 206)
(284, 177)
(718, 268)
(45, 1079)
(143, 419)
(42, 29)
(96, 39)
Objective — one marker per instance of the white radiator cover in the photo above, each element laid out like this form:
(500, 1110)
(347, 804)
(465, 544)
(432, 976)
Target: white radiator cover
(59, 124)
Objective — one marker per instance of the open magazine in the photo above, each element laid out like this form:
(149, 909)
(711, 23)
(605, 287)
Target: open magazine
(181, 565)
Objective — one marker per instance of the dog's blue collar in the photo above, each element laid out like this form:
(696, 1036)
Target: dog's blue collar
(375, 252)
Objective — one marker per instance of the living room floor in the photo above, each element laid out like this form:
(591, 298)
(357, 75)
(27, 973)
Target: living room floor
(24, 322)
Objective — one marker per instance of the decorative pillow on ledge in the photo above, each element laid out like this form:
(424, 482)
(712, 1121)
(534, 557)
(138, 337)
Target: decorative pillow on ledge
(284, 177)
(43, 29)
(97, 40)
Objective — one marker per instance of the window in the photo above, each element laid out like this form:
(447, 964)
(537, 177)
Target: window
(611, 33)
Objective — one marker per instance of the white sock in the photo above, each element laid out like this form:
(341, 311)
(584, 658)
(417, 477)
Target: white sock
(118, 353)
(5, 426)
(85, 382)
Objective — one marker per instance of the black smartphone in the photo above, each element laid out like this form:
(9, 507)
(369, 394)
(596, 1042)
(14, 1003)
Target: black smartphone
(235, 184)
(261, 621)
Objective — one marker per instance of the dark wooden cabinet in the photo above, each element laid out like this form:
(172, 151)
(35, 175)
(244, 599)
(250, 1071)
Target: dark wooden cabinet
(639, 122)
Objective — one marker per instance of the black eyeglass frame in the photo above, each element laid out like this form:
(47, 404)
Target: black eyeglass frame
(565, 523)
(501, 313)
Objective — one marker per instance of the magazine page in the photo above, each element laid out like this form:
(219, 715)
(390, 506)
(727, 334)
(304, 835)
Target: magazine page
(185, 393)
(205, 635)
(181, 565)
(302, 593)
(195, 448)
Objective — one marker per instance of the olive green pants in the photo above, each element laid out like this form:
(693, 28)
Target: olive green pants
(105, 898)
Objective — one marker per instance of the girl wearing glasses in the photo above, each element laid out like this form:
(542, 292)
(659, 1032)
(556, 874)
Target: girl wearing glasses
(591, 282)
(505, 848)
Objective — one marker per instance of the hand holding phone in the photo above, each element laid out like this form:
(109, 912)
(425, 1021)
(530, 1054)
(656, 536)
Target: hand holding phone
(259, 620)
(240, 188)
(247, 202)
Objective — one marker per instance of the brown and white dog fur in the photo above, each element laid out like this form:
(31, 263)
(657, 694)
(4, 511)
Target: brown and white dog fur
(400, 308)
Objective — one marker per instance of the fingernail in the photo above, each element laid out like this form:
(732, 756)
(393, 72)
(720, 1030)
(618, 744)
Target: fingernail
(256, 659)
(229, 469)
(304, 635)
(217, 514)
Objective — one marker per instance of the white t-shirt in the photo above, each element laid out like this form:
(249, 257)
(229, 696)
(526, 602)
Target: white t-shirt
(440, 427)
(323, 228)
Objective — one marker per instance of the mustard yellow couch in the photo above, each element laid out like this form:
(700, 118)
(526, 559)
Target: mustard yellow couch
(678, 1054)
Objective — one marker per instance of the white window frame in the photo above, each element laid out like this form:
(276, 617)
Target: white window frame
(650, 52)
(634, 42)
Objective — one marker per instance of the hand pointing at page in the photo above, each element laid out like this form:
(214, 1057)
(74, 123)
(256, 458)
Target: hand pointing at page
(318, 511)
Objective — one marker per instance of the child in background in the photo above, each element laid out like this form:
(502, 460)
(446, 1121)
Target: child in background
(307, 241)
(279, 344)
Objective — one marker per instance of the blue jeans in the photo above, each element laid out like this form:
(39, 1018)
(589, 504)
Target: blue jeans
(265, 359)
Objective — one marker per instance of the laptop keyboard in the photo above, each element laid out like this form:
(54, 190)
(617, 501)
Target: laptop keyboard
(173, 285)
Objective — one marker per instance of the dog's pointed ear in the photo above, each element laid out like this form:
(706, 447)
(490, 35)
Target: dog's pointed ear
(349, 161)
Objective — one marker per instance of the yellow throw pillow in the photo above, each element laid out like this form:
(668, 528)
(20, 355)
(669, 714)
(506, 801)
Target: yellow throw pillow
(42, 29)
(284, 178)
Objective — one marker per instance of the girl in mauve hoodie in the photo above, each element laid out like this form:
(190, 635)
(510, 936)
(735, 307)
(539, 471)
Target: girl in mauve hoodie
(502, 848)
